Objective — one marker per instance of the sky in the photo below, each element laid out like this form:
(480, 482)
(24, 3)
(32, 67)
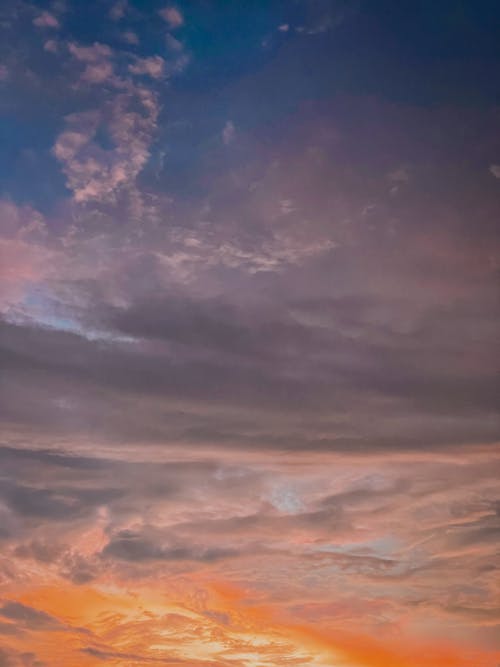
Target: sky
(249, 299)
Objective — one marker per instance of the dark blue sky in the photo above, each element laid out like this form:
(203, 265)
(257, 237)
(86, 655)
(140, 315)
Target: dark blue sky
(410, 53)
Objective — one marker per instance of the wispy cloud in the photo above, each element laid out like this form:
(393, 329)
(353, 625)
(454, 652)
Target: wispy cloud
(495, 170)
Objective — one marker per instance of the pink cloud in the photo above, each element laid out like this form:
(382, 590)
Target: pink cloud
(51, 46)
(90, 54)
(21, 265)
(118, 10)
(23, 255)
(130, 37)
(96, 73)
(153, 66)
(98, 174)
(172, 16)
(46, 20)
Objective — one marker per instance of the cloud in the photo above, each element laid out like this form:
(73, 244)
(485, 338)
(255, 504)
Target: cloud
(99, 174)
(90, 54)
(46, 20)
(135, 546)
(228, 133)
(102, 150)
(98, 73)
(172, 16)
(362, 344)
(51, 46)
(98, 66)
(173, 43)
(320, 16)
(62, 506)
(118, 10)
(153, 66)
(495, 170)
(25, 260)
(241, 356)
(79, 569)
(12, 658)
(28, 617)
(130, 37)
(354, 531)
(101, 654)
(400, 175)
(22, 266)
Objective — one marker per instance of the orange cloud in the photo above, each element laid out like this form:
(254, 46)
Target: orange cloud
(359, 650)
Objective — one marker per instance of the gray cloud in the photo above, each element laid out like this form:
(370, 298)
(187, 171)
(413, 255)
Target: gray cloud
(64, 504)
(307, 355)
(10, 658)
(135, 546)
(9, 629)
(29, 618)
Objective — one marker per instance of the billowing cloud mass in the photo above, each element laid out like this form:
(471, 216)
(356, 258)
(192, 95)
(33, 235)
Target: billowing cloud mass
(249, 281)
